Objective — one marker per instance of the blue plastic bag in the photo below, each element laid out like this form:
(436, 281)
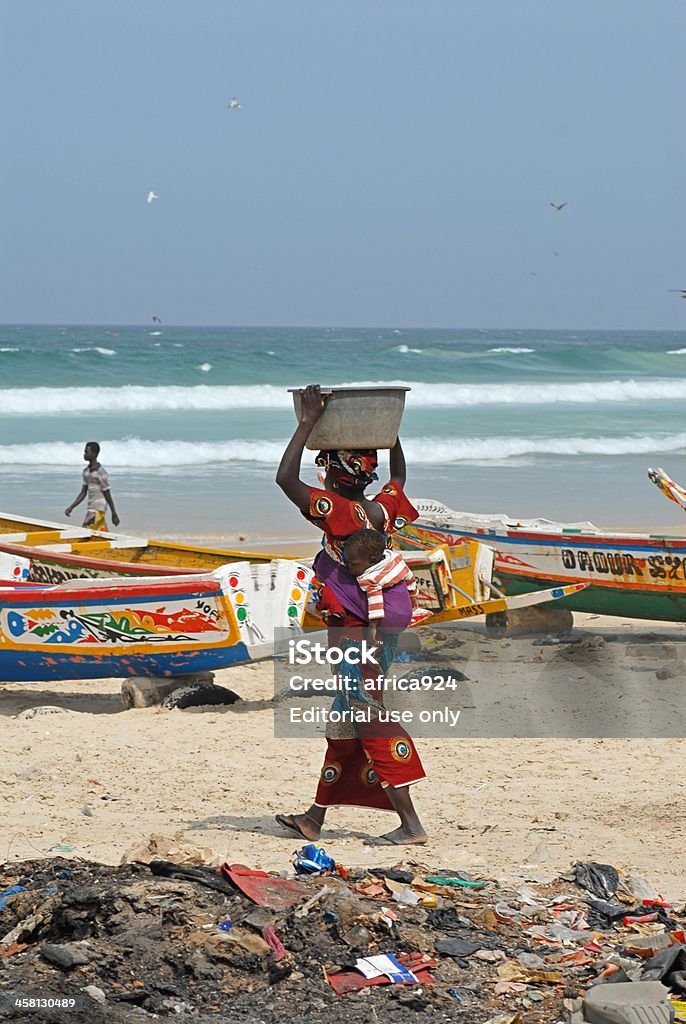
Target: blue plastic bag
(312, 860)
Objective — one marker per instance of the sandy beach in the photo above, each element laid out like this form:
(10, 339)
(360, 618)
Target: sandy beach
(92, 780)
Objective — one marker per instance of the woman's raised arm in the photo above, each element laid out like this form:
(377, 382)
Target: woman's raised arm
(397, 464)
(288, 473)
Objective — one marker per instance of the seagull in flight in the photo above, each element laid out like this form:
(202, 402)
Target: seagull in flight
(681, 291)
(233, 104)
(150, 196)
(558, 206)
(157, 320)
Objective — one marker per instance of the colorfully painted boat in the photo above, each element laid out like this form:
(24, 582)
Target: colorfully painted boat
(150, 626)
(670, 488)
(454, 581)
(628, 574)
(59, 553)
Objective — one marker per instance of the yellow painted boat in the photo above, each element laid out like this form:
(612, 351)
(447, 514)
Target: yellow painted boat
(454, 580)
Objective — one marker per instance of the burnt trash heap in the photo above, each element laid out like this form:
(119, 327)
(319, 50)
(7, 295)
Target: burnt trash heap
(85, 942)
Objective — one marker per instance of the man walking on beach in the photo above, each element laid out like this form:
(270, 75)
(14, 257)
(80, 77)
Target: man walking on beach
(96, 486)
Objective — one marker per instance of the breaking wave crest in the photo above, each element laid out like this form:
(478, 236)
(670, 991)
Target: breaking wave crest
(138, 398)
(141, 454)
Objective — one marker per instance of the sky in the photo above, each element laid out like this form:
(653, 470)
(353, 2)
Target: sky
(392, 162)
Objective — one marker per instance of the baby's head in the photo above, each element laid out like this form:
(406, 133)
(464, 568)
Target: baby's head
(363, 549)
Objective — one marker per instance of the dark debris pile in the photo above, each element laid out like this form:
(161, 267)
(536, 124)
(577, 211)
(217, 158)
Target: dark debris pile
(128, 944)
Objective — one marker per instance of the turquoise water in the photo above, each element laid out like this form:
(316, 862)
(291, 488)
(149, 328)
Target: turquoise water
(192, 421)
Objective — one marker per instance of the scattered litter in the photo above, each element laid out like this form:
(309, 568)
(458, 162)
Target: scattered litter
(600, 879)
(465, 883)
(9, 893)
(352, 981)
(264, 889)
(312, 860)
(393, 874)
(303, 910)
(204, 876)
(385, 963)
(274, 942)
(456, 948)
(496, 951)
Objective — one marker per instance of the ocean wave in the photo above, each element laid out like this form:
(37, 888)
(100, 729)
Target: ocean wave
(205, 367)
(97, 348)
(515, 351)
(676, 352)
(404, 349)
(142, 454)
(9, 348)
(200, 397)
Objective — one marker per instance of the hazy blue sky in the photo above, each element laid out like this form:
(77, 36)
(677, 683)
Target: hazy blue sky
(392, 163)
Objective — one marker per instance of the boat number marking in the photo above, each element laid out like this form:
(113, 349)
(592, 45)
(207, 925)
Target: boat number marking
(667, 567)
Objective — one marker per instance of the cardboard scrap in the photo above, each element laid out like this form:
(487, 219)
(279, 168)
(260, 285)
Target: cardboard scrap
(512, 971)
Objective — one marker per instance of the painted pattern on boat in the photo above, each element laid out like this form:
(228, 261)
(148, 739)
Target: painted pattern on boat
(141, 626)
(637, 575)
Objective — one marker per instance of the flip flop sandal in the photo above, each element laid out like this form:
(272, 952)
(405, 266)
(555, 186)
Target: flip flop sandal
(286, 821)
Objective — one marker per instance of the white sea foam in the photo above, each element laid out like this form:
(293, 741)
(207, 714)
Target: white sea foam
(404, 349)
(515, 351)
(205, 367)
(142, 454)
(676, 351)
(9, 348)
(200, 397)
(97, 348)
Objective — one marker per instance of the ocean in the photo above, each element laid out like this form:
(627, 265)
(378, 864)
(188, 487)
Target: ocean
(193, 420)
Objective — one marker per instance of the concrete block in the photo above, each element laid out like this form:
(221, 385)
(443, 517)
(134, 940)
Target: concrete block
(628, 1002)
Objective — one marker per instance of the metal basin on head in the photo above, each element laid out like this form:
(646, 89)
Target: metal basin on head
(356, 417)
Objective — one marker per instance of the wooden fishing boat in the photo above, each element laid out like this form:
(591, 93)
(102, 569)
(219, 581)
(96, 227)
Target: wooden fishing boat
(150, 626)
(454, 581)
(628, 574)
(59, 553)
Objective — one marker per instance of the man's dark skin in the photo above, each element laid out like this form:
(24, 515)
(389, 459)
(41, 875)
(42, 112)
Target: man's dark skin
(91, 457)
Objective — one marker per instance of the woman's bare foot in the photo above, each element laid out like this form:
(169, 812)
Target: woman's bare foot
(302, 825)
(398, 837)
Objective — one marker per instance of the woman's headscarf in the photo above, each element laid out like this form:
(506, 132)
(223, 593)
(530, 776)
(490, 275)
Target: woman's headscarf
(350, 468)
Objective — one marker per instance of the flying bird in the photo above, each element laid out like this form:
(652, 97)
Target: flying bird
(157, 320)
(558, 206)
(681, 291)
(233, 104)
(150, 196)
